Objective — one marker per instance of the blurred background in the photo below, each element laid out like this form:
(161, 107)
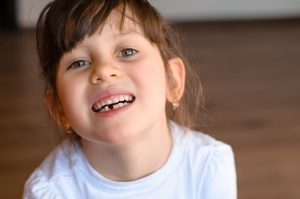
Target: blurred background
(248, 56)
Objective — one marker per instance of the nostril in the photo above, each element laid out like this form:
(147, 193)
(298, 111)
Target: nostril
(97, 79)
(113, 75)
(105, 74)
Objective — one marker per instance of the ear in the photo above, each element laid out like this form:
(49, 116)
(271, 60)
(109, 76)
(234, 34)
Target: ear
(177, 80)
(55, 110)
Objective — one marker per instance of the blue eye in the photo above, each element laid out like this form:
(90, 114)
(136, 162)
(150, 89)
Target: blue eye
(127, 52)
(79, 64)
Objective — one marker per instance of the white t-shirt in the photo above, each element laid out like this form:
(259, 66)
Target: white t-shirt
(199, 167)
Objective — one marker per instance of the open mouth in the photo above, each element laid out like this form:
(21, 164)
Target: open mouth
(112, 103)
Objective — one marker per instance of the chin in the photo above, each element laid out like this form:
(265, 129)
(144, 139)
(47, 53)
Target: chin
(113, 138)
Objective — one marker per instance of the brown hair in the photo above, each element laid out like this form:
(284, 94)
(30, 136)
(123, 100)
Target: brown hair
(64, 23)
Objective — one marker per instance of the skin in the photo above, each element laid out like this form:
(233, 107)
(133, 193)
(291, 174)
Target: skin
(112, 63)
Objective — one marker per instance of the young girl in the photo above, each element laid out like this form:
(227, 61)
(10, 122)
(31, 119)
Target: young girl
(115, 82)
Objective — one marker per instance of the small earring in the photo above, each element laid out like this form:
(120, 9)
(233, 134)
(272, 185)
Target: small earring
(69, 130)
(175, 105)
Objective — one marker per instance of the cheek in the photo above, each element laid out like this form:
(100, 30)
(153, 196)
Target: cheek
(71, 94)
(150, 78)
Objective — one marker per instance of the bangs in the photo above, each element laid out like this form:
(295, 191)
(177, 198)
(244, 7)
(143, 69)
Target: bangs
(84, 19)
(88, 17)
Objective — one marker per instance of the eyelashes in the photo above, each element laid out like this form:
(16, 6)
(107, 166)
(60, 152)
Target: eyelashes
(126, 54)
(79, 64)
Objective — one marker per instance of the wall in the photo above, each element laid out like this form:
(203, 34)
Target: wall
(181, 10)
(28, 11)
(227, 9)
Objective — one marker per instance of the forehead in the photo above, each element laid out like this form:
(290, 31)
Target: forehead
(121, 21)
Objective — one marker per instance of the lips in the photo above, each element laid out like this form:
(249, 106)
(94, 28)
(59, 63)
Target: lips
(112, 103)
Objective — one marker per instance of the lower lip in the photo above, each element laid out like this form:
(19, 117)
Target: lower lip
(114, 112)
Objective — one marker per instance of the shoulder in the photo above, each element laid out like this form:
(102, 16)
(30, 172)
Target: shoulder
(210, 154)
(203, 151)
(57, 165)
(200, 144)
(37, 186)
(209, 164)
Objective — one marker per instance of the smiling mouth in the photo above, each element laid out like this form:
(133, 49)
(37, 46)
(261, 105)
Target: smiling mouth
(112, 103)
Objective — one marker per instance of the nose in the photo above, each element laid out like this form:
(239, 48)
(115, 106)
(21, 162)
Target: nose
(105, 72)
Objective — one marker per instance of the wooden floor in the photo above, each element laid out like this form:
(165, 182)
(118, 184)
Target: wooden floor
(251, 74)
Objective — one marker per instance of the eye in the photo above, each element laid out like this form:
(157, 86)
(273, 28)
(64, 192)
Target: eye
(127, 52)
(79, 64)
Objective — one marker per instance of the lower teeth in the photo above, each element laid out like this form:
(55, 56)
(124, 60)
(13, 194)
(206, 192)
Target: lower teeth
(111, 106)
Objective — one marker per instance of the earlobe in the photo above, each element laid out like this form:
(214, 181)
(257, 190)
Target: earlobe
(54, 109)
(177, 80)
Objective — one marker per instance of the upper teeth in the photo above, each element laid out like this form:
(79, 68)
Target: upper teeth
(113, 102)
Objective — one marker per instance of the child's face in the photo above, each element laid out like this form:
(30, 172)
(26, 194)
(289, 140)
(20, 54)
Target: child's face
(110, 67)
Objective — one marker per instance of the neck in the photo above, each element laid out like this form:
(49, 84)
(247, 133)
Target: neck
(134, 159)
